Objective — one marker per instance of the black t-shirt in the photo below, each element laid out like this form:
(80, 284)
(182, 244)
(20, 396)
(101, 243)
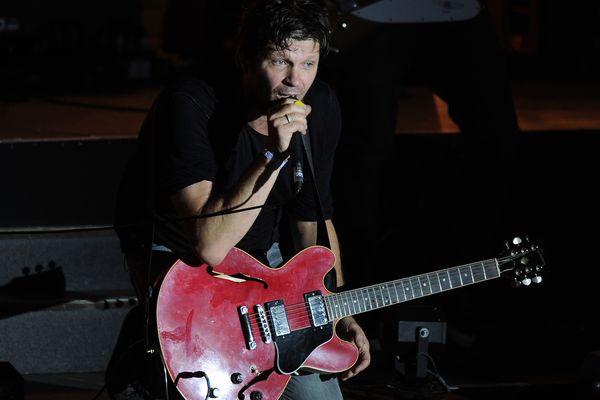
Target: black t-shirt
(195, 131)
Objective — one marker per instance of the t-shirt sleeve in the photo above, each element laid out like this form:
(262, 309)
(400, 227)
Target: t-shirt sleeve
(184, 154)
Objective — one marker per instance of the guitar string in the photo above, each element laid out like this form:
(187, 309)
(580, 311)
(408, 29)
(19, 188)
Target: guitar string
(299, 312)
(296, 314)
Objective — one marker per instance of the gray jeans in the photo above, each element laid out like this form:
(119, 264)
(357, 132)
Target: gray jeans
(312, 387)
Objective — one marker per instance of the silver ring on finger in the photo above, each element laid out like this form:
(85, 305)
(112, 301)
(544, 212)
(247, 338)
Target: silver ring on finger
(288, 118)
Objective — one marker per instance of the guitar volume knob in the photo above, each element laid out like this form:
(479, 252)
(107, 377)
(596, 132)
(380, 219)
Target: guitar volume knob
(237, 378)
(256, 395)
(213, 393)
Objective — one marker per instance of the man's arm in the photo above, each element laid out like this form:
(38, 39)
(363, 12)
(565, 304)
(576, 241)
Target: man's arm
(214, 236)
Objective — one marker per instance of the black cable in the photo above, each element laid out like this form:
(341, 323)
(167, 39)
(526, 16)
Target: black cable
(115, 227)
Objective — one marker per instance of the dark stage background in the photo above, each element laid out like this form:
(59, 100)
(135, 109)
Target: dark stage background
(60, 179)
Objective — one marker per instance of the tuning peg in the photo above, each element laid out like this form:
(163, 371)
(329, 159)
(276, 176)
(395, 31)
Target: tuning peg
(517, 241)
(526, 281)
(515, 283)
(537, 279)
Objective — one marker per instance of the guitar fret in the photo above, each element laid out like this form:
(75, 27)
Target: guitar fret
(445, 281)
(375, 297)
(355, 302)
(331, 307)
(341, 303)
(399, 283)
(478, 272)
(435, 283)
(347, 304)
(483, 269)
(454, 277)
(385, 295)
(466, 275)
(378, 299)
(363, 297)
(425, 288)
(395, 291)
(338, 312)
(328, 308)
(416, 287)
(491, 269)
(385, 291)
(372, 301)
(352, 303)
(407, 289)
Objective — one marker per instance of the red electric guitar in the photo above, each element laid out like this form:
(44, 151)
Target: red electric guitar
(240, 329)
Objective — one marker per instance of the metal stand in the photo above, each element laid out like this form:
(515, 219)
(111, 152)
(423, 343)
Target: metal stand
(422, 333)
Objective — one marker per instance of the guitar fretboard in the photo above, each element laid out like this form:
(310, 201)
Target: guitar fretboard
(373, 297)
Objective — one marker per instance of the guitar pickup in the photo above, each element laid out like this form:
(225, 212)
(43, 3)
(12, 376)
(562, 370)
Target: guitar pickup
(246, 328)
(263, 325)
(316, 306)
(279, 318)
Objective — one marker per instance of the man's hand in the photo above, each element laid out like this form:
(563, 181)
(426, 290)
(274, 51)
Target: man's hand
(284, 118)
(348, 329)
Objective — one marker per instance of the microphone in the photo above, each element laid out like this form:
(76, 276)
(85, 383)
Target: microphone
(297, 161)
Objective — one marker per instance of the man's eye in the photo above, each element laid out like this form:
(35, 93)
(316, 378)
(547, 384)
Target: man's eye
(278, 61)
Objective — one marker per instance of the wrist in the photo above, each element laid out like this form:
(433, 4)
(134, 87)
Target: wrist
(274, 159)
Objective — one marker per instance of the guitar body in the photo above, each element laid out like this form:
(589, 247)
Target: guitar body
(201, 335)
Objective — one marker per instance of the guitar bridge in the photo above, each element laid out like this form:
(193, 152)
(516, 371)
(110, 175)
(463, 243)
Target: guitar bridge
(265, 332)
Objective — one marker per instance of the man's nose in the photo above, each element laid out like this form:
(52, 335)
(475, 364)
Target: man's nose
(292, 77)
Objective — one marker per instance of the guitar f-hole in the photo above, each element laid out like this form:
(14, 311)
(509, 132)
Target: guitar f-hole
(237, 277)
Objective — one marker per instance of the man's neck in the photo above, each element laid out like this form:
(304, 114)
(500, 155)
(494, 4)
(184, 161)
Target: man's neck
(260, 125)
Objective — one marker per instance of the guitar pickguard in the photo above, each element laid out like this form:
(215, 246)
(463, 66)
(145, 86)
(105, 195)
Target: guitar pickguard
(293, 349)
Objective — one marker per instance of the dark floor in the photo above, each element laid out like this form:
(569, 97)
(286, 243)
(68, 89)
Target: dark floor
(382, 381)
(372, 385)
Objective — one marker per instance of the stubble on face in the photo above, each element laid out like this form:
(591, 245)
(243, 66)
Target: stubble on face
(284, 73)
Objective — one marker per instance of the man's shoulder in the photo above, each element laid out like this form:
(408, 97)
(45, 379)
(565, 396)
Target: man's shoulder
(189, 85)
(321, 93)
(320, 88)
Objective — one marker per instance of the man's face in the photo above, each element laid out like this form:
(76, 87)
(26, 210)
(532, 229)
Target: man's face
(286, 73)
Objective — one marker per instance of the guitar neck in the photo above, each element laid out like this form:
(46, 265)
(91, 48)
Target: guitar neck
(374, 297)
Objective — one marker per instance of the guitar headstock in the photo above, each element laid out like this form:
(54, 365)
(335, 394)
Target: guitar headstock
(524, 260)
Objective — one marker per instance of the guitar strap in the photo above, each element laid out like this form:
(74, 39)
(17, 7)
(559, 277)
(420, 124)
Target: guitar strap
(322, 235)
